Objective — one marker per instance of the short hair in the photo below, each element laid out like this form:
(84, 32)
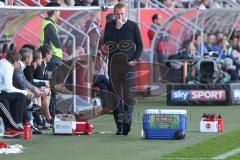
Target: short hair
(45, 49)
(13, 56)
(52, 4)
(155, 16)
(36, 55)
(186, 43)
(233, 37)
(25, 53)
(30, 46)
(120, 6)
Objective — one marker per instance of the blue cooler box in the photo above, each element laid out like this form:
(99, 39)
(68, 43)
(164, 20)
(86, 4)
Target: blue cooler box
(164, 124)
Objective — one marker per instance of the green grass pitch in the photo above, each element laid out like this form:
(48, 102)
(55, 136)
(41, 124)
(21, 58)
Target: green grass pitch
(132, 147)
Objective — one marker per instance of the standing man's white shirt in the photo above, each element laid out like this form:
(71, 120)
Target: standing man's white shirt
(202, 7)
(6, 76)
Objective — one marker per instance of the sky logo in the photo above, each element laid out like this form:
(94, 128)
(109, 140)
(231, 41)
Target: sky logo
(179, 95)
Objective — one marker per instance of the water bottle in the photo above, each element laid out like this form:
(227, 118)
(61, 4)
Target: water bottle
(2, 128)
(204, 117)
(220, 123)
(27, 132)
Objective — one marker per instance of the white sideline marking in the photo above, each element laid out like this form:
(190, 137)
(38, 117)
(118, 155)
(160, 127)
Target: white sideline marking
(228, 154)
(177, 158)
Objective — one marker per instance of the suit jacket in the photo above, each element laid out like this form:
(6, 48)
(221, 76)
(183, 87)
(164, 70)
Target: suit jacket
(20, 81)
(28, 72)
(41, 72)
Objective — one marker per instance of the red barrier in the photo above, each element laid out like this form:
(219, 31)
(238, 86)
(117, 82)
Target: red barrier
(31, 3)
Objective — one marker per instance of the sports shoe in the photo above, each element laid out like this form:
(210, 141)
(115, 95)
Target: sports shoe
(46, 125)
(35, 130)
(35, 108)
(39, 119)
(13, 133)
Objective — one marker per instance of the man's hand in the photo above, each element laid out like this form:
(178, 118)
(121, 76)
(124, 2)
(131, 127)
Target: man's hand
(47, 84)
(37, 92)
(29, 94)
(59, 87)
(119, 24)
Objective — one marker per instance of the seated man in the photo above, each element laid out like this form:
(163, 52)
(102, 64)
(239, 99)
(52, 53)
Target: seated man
(19, 80)
(41, 71)
(44, 85)
(16, 97)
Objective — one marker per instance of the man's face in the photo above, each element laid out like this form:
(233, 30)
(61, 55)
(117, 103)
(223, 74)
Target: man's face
(158, 21)
(206, 2)
(212, 39)
(234, 42)
(29, 60)
(57, 14)
(16, 64)
(39, 60)
(49, 56)
(120, 14)
(199, 41)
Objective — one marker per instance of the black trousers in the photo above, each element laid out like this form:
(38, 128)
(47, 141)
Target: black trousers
(17, 105)
(6, 115)
(123, 83)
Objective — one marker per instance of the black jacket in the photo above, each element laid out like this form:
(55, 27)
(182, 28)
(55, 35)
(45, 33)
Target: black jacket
(126, 40)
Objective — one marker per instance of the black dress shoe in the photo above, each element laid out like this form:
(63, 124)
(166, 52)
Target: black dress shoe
(35, 130)
(119, 132)
(126, 129)
(125, 132)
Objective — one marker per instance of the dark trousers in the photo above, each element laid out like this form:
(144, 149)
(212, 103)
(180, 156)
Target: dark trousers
(53, 103)
(6, 115)
(17, 104)
(123, 82)
(54, 67)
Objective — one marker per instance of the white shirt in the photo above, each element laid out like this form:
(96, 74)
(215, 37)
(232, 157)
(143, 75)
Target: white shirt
(202, 7)
(6, 76)
(22, 65)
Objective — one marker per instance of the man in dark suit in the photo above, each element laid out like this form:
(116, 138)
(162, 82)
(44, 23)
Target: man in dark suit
(124, 42)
